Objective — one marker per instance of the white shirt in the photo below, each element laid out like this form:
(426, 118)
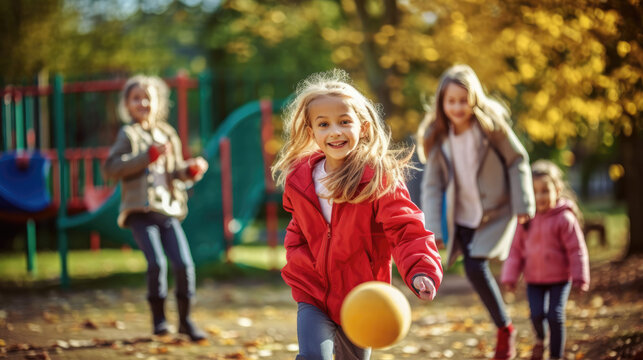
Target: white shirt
(326, 204)
(465, 148)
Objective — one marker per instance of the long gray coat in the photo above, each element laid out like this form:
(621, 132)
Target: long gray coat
(504, 184)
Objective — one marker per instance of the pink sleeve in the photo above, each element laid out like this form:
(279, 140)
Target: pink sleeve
(574, 241)
(514, 264)
(413, 247)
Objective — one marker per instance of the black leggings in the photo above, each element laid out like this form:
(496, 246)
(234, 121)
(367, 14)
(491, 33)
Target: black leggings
(158, 235)
(481, 278)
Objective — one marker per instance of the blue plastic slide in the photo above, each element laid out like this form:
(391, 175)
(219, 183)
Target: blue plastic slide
(23, 186)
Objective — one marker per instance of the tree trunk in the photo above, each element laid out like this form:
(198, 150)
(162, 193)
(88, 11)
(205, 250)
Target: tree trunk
(375, 74)
(632, 147)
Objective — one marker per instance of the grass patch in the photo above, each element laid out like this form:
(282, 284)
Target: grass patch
(250, 260)
(116, 267)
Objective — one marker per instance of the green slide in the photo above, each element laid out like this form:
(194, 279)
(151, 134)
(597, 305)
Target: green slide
(204, 223)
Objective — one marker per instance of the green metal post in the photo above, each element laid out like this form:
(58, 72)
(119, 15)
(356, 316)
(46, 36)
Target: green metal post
(59, 123)
(6, 122)
(31, 247)
(205, 104)
(20, 124)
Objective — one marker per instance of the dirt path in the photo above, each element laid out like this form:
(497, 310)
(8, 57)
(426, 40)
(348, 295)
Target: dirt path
(250, 320)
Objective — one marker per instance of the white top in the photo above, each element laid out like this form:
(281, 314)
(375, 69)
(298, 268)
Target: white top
(326, 204)
(465, 148)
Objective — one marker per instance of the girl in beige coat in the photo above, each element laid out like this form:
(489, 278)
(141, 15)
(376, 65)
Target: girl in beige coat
(473, 156)
(146, 158)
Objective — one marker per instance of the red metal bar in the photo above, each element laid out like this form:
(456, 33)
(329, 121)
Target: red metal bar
(89, 86)
(88, 155)
(272, 221)
(73, 156)
(226, 193)
(94, 241)
(187, 82)
(31, 90)
(266, 135)
(182, 99)
(272, 228)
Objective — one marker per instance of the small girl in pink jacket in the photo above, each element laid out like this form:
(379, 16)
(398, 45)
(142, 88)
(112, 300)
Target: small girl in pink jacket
(550, 250)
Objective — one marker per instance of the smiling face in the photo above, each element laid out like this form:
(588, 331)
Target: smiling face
(456, 107)
(546, 193)
(335, 128)
(138, 104)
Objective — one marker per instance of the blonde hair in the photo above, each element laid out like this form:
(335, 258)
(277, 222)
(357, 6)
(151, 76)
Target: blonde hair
(390, 165)
(156, 89)
(490, 113)
(546, 168)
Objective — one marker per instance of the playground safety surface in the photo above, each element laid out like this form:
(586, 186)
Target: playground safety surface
(250, 319)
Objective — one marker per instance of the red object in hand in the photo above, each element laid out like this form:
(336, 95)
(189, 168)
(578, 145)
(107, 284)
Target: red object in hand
(153, 152)
(22, 161)
(194, 170)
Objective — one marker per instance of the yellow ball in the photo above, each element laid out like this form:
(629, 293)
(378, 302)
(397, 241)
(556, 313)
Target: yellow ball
(375, 314)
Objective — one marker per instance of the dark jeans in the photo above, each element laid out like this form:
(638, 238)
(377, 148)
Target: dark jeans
(481, 278)
(547, 303)
(159, 235)
(319, 337)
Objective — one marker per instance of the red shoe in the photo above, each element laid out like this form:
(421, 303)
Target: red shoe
(506, 343)
(537, 351)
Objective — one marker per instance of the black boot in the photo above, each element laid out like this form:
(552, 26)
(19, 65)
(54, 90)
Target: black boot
(158, 316)
(186, 326)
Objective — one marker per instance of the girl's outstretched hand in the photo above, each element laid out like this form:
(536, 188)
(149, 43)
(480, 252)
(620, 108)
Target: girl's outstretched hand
(510, 287)
(425, 287)
(523, 218)
(197, 167)
(580, 286)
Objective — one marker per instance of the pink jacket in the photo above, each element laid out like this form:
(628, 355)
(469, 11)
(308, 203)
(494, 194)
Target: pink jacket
(551, 249)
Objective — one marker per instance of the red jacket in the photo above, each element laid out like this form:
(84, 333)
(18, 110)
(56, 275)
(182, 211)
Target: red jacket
(325, 261)
(550, 250)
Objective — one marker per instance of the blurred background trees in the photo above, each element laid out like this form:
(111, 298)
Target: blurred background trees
(569, 70)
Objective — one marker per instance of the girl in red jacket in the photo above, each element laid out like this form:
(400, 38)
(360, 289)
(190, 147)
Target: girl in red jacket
(550, 250)
(350, 211)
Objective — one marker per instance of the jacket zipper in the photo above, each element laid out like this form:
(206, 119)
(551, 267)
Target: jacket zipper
(329, 235)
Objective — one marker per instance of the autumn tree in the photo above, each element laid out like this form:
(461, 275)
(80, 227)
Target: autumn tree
(570, 70)
(82, 38)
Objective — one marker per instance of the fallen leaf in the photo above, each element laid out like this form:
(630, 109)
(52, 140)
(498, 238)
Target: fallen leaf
(34, 327)
(62, 344)
(213, 330)
(203, 342)
(410, 349)
(244, 322)
(117, 324)
(264, 353)
(50, 317)
(237, 355)
(227, 341)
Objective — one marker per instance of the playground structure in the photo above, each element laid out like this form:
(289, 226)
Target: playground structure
(222, 204)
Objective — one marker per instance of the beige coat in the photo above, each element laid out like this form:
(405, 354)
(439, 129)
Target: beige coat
(145, 186)
(505, 187)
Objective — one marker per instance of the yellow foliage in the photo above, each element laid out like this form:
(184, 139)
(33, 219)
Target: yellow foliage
(616, 171)
(623, 48)
(550, 59)
(431, 54)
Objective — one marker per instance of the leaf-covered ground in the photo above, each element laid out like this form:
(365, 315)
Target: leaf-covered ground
(249, 319)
